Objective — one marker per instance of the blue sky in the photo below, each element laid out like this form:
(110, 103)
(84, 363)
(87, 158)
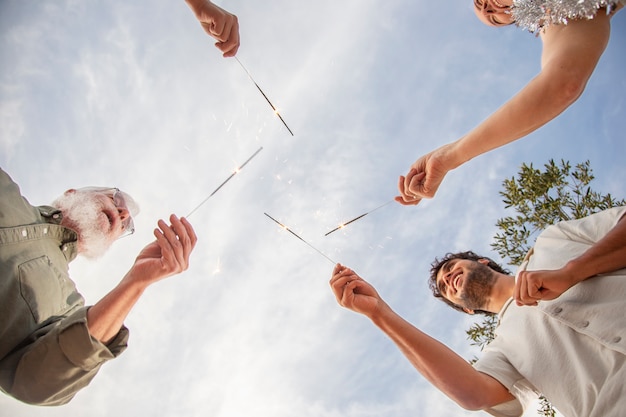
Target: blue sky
(134, 95)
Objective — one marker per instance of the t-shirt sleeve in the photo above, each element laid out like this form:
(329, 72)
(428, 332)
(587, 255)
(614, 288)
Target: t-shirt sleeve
(498, 367)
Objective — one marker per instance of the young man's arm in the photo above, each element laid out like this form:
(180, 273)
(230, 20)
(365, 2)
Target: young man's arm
(608, 254)
(446, 370)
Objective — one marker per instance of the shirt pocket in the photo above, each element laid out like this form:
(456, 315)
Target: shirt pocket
(41, 287)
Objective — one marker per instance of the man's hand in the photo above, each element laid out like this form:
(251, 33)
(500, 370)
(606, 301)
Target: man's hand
(219, 24)
(353, 293)
(424, 177)
(534, 286)
(168, 255)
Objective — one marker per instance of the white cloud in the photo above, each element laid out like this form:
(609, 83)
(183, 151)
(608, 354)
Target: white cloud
(114, 93)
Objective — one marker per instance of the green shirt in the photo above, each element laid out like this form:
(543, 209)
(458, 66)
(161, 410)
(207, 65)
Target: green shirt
(46, 351)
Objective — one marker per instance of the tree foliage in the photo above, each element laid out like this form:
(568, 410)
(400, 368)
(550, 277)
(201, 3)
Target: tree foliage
(539, 198)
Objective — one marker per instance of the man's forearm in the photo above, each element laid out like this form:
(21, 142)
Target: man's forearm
(606, 255)
(442, 367)
(106, 317)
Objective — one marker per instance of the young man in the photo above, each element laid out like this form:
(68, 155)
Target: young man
(51, 344)
(562, 322)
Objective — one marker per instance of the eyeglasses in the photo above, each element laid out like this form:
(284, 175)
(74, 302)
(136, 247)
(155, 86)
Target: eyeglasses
(117, 196)
(128, 225)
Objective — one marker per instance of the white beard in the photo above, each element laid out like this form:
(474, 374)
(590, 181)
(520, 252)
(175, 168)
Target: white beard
(83, 213)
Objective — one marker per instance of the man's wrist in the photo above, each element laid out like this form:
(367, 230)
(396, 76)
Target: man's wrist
(575, 271)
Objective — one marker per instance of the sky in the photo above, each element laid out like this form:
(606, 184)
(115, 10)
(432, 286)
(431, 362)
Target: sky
(135, 95)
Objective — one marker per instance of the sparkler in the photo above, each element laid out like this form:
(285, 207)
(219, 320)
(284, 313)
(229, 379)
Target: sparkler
(293, 233)
(342, 225)
(235, 172)
(262, 93)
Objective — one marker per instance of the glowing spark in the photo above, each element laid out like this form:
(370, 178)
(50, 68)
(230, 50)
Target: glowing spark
(263, 94)
(342, 225)
(218, 267)
(293, 233)
(225, 181)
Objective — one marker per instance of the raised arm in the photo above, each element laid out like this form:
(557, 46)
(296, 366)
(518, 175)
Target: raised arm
(168, 255)
(443, 368)
(608, 254)
(569, 57)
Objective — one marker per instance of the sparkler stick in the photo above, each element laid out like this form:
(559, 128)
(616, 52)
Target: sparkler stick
(342, 225)
(235, 172)
(262, 93)
(293, 233)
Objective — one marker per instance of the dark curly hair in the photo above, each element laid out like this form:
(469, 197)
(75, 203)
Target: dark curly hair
(468, 255)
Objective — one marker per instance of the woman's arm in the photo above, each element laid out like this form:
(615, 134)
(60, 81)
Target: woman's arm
(569, 57)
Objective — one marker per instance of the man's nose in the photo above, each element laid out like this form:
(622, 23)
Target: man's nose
(124, 213)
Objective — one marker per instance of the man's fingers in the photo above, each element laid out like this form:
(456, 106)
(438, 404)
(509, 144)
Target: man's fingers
(404, 198)
(526, 291)
(416, 184)
(193, 238)
(176, 243)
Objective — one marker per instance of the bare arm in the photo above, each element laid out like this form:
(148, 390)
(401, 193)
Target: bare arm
(569, 57)
(446, 370)
(606, 255)
(219, 24)
(168, 255)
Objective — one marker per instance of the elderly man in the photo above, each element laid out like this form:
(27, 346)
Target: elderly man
(562, 322)
(51, 344)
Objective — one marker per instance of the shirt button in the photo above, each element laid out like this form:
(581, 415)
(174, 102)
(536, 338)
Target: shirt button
(617, 339)
(584, 324)
(24, 233)
(558, 310)
(45, 230)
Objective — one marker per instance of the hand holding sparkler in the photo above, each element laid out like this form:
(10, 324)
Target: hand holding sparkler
(426, 174)
(354, 293)
(219, 24)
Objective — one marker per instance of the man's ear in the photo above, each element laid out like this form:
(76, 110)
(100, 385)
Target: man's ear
(483, 261)
(468, 311)
(70, 191)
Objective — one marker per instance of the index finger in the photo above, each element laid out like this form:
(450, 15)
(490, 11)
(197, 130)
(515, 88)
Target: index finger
(404, 198)
(338, 268)
(408, 178)
(190, 231)
(230, 44)
(521, 293)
